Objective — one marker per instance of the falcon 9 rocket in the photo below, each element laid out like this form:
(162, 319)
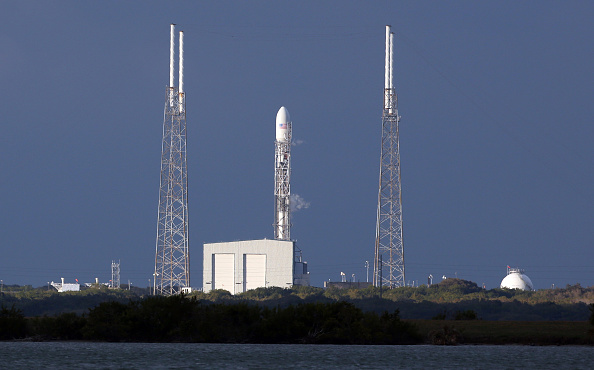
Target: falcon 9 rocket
(282, 176)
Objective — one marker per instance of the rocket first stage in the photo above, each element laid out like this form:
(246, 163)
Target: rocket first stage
(282, 176)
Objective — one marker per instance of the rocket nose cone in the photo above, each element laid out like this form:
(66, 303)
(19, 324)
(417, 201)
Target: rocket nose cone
(282, 116)
(283, 125)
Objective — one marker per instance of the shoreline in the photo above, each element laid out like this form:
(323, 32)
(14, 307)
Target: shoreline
(446, 332)
(537, 333)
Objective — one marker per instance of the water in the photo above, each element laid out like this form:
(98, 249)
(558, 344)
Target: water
(85, 355)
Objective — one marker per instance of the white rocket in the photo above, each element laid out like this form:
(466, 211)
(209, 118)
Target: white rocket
(282, 176)
(283, 123)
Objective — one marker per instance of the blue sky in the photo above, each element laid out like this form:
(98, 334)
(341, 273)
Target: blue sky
(496, 133)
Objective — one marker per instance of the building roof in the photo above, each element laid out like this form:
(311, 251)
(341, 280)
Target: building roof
(515, 279)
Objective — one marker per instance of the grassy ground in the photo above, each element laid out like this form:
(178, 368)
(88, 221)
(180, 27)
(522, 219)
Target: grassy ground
(506, 332)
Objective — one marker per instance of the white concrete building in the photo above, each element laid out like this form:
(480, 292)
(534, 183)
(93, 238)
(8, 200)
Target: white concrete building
(63, 287)
(243, 265)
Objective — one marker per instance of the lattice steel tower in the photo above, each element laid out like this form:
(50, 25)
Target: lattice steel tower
(172, 258)
(388, 268)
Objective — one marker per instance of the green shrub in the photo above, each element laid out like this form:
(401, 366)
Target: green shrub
(440, 316)
(12, 323)
(465, 315)
(66, 326)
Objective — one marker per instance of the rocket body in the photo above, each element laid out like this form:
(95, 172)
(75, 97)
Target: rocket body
(283, 121)
(282, 176)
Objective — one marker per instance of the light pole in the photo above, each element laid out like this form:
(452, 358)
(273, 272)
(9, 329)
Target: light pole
(367, 267)
(48, 286)
(155, 283)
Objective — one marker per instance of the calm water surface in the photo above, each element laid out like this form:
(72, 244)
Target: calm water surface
(82, 355)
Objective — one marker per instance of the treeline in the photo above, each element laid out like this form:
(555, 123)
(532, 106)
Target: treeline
(447, 291)
(182, 319)
(449, 296)
(446, 298)
(39, 302)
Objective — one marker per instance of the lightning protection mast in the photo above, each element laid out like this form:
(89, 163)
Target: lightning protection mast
(172, 259)
(282, 176)
(389, 251)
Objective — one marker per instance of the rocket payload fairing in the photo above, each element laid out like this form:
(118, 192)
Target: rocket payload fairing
(282, 176)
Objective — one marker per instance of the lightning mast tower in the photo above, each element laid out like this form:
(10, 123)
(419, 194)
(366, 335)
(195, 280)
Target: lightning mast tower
(172, 259)
(282, 176)
(389, 251)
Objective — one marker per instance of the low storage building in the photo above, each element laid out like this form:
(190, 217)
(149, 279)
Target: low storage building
(243, 265)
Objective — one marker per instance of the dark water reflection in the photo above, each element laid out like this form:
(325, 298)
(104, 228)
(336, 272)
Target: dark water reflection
(83, 355)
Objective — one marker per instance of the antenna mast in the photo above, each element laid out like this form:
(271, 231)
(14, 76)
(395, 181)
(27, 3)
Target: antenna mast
(389, 250)
(172, 258)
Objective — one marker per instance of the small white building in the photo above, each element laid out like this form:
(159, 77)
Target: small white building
(63, 287)
(516, 279)
(249, 264)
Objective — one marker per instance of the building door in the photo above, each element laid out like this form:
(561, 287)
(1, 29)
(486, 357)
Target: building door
(223, 272)
(254, 271)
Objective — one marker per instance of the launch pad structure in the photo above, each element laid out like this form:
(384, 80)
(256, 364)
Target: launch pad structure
(249, 264)
(388, 267)
(115, 275)
(172, 259)
(282, 175)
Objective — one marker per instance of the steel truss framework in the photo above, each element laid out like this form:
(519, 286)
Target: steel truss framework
(115, 274)
(389, 250)
(172, 259)
(282, 188)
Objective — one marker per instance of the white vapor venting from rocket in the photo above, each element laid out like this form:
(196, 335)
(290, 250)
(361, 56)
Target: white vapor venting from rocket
(297, 203)
(297, 142)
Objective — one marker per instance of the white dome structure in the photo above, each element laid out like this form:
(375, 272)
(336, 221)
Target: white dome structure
(516, 279)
